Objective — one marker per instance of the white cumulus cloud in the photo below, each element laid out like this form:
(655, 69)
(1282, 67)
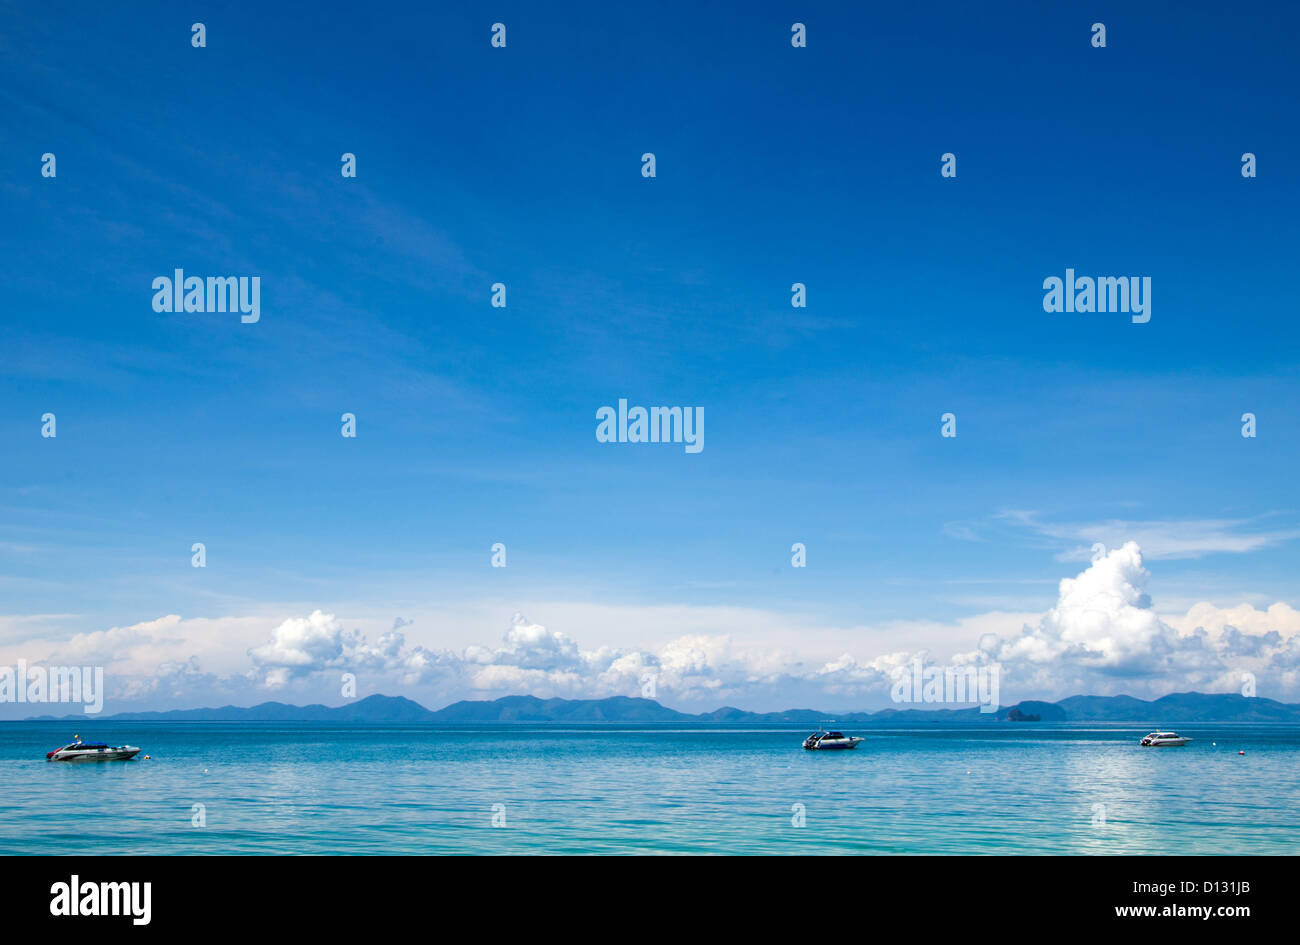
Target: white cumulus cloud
(1103, 636)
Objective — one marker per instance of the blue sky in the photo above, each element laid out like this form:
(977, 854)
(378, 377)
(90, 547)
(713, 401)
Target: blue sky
(521, 165)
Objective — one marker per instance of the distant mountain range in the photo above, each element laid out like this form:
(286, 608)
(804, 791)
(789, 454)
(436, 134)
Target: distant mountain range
(1179, 707)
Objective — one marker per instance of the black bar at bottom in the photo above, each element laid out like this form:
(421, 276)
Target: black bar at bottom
(331, 894)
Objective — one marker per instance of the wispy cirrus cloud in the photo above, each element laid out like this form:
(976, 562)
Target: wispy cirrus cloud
(1160, 539)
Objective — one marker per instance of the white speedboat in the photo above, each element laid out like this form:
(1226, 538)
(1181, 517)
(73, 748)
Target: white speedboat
(827, 740)
(1165, 740)
(92, 751)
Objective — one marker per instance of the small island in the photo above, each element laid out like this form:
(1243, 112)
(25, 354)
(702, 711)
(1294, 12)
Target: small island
(1015, 715)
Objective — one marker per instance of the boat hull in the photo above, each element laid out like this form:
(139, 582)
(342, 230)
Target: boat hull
(125, 753)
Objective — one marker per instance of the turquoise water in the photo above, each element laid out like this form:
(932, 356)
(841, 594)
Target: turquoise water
(306, 788)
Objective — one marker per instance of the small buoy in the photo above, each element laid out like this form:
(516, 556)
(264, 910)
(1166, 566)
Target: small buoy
(1215, 744)
(205, 770)
(1241, 752)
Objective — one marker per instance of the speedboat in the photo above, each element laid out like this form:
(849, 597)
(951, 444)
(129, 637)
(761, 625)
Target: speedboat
(92, 751)
(825, 740)
(1165, 740)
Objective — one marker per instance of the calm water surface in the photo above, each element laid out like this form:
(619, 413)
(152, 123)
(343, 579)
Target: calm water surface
(311, 789)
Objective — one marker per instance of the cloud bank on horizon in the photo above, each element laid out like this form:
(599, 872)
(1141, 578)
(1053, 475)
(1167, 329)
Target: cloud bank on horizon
(1103, 637)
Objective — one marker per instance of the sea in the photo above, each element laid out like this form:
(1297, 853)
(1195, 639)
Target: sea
(520, 788)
